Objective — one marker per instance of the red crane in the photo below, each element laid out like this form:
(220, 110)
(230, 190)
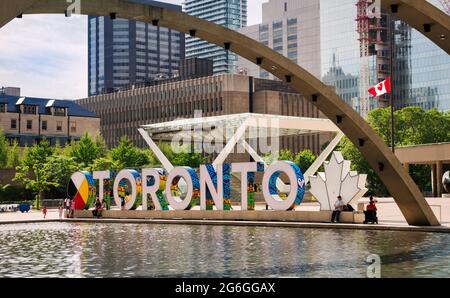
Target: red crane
(446, 5)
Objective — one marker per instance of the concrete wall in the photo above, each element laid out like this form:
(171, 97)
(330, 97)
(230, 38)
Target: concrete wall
(294, 216)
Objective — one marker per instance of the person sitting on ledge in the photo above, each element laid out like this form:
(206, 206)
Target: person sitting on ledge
(97, 207)
(338, 207)
(371, 212)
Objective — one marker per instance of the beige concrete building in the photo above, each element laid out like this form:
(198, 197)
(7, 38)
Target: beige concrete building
(28, 120)
(122, 113)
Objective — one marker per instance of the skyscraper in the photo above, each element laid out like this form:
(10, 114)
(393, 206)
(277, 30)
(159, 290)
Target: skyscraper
(228, 13)
(350, 51)
(290, 27)
(123, 53)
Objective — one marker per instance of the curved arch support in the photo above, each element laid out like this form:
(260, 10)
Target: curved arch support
(424, 17)
(405, 192)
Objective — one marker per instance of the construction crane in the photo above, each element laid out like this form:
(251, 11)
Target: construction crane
(446, 5)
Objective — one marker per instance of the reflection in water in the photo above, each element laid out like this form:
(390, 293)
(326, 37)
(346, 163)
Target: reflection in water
(147, 250)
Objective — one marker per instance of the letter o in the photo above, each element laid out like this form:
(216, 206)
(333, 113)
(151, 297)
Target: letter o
(296, 192)
(128, 175)
(187, 174)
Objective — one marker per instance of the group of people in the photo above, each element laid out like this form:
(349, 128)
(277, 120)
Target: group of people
(339, 206)
(99, 206)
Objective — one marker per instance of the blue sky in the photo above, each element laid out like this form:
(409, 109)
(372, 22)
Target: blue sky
(46, 55)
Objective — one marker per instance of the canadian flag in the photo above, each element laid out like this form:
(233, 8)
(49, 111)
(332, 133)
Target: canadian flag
(382, 88)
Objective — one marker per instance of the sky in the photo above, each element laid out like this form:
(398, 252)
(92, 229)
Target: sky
(46, 55)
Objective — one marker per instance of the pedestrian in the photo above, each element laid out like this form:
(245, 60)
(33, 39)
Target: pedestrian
(60, 210)
(44, 211)
(338, 207)
(122, 201)
(72, 208)
(97, 207)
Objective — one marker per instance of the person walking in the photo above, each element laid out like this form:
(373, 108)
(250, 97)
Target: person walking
(72, 208)
(44, 211)
(67, 206)
(338, 207)
(60, 210)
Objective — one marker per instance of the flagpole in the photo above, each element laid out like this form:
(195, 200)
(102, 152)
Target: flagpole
(392, 81)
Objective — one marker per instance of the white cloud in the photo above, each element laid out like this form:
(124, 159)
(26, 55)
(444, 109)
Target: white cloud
(46, 55)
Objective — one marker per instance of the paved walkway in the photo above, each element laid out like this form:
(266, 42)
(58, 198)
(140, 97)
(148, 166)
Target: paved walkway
(33, 215)
(388, 213)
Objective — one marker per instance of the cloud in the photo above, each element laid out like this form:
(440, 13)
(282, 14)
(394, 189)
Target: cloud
(45, 55)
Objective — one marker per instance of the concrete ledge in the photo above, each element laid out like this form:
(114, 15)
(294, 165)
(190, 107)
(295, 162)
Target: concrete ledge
(290, 216)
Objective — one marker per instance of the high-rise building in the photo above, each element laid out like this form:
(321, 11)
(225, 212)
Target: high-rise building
(357, 46)
(290, 27)
(228, 13)
(123, 53)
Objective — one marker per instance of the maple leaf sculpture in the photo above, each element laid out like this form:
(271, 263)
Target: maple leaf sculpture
(337, 180)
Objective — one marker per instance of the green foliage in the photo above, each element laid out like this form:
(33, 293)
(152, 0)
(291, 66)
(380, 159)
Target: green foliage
(33, 174)
(284, 154)
(304, 159)
(3, 150)
(86, 151)
(183, 158)
(59, 169)
(14, 156)
(413, 126)
(360, 164)
(126, 155)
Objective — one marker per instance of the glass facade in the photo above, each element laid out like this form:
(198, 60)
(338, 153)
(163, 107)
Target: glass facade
(123, 53)
(291, 28)
(421, 71)
(229, 13)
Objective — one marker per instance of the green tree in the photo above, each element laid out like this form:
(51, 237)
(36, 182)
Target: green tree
(126, 155)
(60, 168)
(33, 173)
(4, 147)
(413, 126)
(14, 155)
(86, 151)
(304, 159)
(360, 164)
(104, 163)
(284, 154)
(183, 158)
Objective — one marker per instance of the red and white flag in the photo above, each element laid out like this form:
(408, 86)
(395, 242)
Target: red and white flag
(382, 88)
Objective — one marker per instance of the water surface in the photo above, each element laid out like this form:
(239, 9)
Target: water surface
(150, 250)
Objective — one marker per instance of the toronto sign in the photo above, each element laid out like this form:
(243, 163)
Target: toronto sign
(183, 188)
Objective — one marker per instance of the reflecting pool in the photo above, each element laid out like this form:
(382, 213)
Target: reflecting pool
(150, 250)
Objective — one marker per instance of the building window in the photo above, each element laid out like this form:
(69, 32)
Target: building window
(29, 110)
(60, 112)
(44, 125)
(29, 124)
(73, 127)
(13, 123)
(2, 108)
(59, 125)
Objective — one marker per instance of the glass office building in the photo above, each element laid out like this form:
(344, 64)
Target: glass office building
(290, 27)
(124, 53)
(421, 74)
(229, 13)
